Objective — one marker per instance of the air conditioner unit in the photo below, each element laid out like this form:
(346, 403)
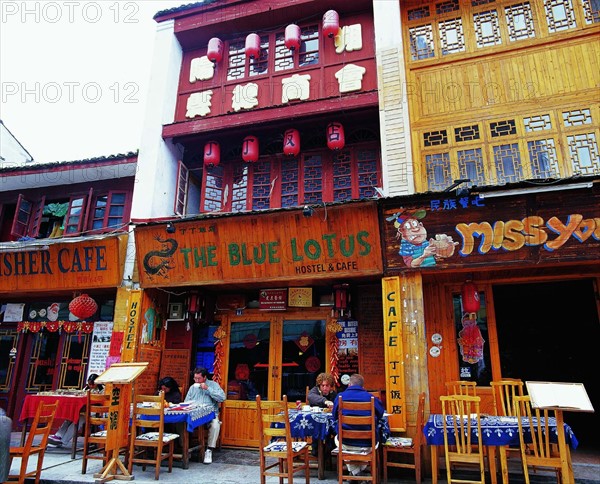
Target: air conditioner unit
(175, 311)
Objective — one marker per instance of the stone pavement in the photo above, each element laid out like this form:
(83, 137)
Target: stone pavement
(234, 466)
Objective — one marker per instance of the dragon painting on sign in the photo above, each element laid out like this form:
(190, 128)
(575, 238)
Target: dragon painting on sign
(160, 262)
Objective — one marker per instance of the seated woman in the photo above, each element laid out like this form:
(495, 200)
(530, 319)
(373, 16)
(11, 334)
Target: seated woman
(242, 387)
(323, 393)
(170, 387)
(67, 430)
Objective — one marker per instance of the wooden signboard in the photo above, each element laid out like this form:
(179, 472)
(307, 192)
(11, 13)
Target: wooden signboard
(267, 247)
(559, 396)
(119, 377)
(152, 356)
(67, 266)
(176, 364)
(446, 231)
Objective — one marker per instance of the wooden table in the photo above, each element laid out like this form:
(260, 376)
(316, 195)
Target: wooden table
(497, 432)
(69, 408)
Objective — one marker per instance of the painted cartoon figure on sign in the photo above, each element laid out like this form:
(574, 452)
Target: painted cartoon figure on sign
(415, 249)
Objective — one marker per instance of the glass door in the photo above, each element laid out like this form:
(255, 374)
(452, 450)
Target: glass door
(269, 354)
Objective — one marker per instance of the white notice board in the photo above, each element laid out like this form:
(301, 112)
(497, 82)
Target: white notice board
(560, 396)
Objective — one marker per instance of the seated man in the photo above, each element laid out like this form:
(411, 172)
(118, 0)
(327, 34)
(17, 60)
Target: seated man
(205, 391)
(357, 393)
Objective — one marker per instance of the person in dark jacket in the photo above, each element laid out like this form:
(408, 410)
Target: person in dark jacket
(323, 393)
(171, 389)
(357, 393)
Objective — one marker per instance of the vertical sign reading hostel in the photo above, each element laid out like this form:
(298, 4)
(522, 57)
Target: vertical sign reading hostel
(131, 328)
(392, 334)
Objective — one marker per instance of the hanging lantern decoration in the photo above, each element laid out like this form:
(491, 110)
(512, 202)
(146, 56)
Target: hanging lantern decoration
(212, 153)
(250, 149)
(331, 23)
(83, 306)
(335, 136)
(292, 37)
(291, 142)
(470, 297)
(252, 46)
(215, 50)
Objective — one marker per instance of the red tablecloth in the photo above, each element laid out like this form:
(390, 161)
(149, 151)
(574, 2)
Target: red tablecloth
(69, 406)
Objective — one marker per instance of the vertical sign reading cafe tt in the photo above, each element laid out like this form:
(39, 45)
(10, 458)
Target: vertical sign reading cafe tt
(395, 388)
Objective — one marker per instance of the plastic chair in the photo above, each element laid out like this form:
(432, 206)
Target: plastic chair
(460, 414)
(461, 387)
(275, 442)
(394, 447)
(41, 426)
(149, 413)
(540, 452)
(353, 416)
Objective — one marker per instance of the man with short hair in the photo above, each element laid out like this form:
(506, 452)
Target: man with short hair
(208, 392)
(355, 392)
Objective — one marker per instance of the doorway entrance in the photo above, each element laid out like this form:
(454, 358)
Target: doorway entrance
(552, 334)
(270, 354)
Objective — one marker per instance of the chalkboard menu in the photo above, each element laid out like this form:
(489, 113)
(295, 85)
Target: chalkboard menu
(148, 383)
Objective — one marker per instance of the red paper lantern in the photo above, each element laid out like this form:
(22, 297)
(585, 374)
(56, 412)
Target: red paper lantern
(335, 136)
(83, 306)
(215, 50)
(250, 149)
(292, 37)
(331, 23)
(291, 142)
(470, 297)
(212, 153)
(253, 46)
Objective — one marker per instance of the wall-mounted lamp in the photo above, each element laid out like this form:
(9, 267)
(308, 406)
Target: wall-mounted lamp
(308, 211)
(170, 228)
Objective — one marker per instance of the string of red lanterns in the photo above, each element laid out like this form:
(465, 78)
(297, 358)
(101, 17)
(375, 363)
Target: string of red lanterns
(250, 149)
(291, 142)
(292, 37)
(253, 46)
(212, 153)
(215, 50)
(331, 23)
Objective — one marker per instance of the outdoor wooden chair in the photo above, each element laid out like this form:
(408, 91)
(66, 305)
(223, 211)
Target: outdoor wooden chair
(504, 392)
(461, 387)
(461, 419)
(275, 442)
(395, 447)
(356, 420)
(540, 452)
(41, 426)
(149, 414)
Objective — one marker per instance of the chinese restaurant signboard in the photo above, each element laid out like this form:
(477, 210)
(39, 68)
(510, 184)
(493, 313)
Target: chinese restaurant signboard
(470, 231)
(336, 241)
(65, 266)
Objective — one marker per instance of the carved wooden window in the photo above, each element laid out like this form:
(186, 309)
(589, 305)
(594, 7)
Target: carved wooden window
(307, 54)
(28, 217)
(435, 30)
(282, 182)
(183, 176)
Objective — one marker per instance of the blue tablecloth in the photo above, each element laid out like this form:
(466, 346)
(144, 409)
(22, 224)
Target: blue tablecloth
(495, 431)
(193, 415)
(319, 425)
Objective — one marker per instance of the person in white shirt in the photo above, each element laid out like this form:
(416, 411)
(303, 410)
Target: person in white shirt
(205, 391)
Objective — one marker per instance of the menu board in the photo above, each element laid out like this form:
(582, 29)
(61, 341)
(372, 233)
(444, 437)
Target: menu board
(100, 346)
(122, 373)
(561, 396)
(176, 364)
(148, 384)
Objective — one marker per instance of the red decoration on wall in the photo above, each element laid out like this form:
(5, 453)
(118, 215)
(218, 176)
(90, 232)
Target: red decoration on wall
(83, 306)
(292, 37)
(470, 297)
(212, 153)
(291, 142)
(331, 23)
(335, 136)
(215, 50)
(252, 46)
(250, 149)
